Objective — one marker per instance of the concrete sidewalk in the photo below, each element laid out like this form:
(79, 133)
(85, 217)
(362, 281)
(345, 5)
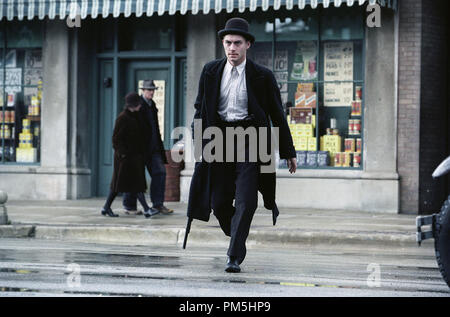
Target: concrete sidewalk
(80, 220)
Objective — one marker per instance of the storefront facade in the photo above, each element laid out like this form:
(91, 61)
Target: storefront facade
(280, 34)
(338, 79)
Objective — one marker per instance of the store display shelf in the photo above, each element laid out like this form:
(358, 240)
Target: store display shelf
(34, 118)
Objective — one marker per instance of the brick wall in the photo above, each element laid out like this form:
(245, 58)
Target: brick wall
(423, 133)
(409, 84)
(433, 103)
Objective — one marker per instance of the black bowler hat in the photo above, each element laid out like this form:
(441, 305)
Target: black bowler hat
(132, 100)
(237, 26)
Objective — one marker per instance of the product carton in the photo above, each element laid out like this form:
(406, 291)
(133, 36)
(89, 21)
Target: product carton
(305, 87)
(301, 158)
(301, 115)
(312, 146)
(305, 99)
(331, 143)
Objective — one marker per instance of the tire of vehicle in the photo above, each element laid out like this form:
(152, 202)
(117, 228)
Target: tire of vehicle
(442, 241)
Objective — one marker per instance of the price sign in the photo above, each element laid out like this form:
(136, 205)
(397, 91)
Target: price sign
(338, 66)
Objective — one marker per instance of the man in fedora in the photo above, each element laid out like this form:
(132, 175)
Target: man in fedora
(155, 156)
(237, 92)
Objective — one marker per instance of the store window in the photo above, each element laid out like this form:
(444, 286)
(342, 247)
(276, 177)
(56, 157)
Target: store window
(146, 34)
(20, 92)
(160, 33)
(317, 58)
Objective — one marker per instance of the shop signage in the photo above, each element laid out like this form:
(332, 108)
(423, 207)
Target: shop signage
(338, 67)
(281, 73)
(304, 65)
(13, 80)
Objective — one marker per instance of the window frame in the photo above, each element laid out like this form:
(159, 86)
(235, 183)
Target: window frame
(4, 48)
(319, 82)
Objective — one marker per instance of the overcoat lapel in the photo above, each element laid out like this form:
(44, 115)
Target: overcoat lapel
(212, 87)
(254, 83)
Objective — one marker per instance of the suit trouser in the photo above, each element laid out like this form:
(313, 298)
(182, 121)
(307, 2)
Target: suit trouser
(157, 170)
(238, 181)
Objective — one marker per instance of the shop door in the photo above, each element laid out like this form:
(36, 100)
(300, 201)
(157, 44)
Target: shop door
(106, 118)
(137, 71)
(130, 74)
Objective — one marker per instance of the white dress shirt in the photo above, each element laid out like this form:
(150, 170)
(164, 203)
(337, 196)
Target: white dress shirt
(233, 101)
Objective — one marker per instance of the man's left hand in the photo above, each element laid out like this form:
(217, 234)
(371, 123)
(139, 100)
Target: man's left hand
(292, 164)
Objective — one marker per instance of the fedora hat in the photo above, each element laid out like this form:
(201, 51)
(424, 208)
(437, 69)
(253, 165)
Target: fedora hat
(148, 84)
(237, 26)
(132, 100)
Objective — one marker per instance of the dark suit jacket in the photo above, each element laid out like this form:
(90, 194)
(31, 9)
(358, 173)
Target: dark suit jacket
(264, 103)
(152, 127)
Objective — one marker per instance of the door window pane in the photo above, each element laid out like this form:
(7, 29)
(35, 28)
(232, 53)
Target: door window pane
(342, 24)
(292, 28)
(106, 30)
(261, 50)
(145, 34)
(24, 34)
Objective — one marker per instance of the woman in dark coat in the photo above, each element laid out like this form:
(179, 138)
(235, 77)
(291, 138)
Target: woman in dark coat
(129, 146)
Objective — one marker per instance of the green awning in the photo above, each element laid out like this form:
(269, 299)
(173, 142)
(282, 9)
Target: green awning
(60, 9)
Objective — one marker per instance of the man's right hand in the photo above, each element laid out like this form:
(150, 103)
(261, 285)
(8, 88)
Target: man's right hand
(292, 164)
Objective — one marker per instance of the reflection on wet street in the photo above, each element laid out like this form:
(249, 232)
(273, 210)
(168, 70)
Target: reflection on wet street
(50, 268)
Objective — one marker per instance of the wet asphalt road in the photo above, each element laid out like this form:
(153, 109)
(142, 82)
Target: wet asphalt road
(51, 268)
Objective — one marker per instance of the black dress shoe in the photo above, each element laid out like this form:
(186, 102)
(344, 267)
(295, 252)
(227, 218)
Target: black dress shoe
(232, 265)
(108, 212)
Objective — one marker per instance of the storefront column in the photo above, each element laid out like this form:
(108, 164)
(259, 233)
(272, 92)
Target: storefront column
(56, 96)
(380, 121)
(80, 105)
(65, 137)
(202, 39)
(54, 125)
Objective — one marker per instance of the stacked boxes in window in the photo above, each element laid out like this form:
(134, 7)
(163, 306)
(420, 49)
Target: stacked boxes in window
(25, 153)
(323, 158)
(312, 159)
(303, 136)
(343, 159)
(352, 155)
(305, 96)
(301, 158)
(331, 144)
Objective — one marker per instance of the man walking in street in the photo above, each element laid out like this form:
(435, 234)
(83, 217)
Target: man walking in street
(235, 92)
(155, 157)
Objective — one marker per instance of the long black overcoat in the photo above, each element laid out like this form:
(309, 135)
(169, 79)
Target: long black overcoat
(129, 143)
(264, 103)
